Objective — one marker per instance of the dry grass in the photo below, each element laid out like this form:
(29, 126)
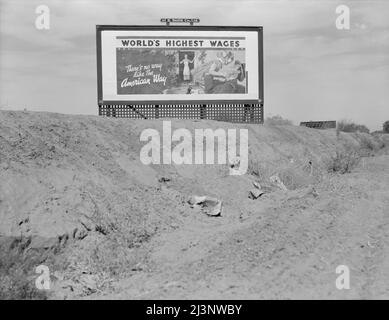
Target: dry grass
(294, 175)
(303, 172)
(277, 120)
(349, 126)
(113, 247)
(346, 158)
(17, 267)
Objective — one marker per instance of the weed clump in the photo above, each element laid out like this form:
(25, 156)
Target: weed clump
(17, 272)
(345, 159)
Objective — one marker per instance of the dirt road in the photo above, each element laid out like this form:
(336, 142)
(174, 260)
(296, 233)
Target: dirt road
(288, 246)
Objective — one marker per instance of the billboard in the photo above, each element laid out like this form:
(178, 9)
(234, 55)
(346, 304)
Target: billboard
(173, 65)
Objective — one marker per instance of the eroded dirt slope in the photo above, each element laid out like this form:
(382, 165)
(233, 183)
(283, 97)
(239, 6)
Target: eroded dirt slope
(74, 193)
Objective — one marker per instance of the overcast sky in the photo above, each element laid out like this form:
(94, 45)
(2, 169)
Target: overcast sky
(313, 71)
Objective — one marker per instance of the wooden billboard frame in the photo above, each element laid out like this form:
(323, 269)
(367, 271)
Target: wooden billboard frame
(134, 103)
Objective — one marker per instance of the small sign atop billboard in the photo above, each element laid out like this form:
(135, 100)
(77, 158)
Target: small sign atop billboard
(180, 20)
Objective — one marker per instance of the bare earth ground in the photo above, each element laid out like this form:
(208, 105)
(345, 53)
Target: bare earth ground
(75, 197)
(289, 248)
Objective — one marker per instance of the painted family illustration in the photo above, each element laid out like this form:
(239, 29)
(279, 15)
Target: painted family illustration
(212, 72)
(208, 71)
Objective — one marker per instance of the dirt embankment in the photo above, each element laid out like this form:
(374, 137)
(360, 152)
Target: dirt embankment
(75, 196)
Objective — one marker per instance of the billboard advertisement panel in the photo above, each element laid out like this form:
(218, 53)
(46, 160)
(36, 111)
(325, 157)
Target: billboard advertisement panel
(138, 65)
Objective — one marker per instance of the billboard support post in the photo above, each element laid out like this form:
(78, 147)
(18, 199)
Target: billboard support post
(186, 72)
(203, 111)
